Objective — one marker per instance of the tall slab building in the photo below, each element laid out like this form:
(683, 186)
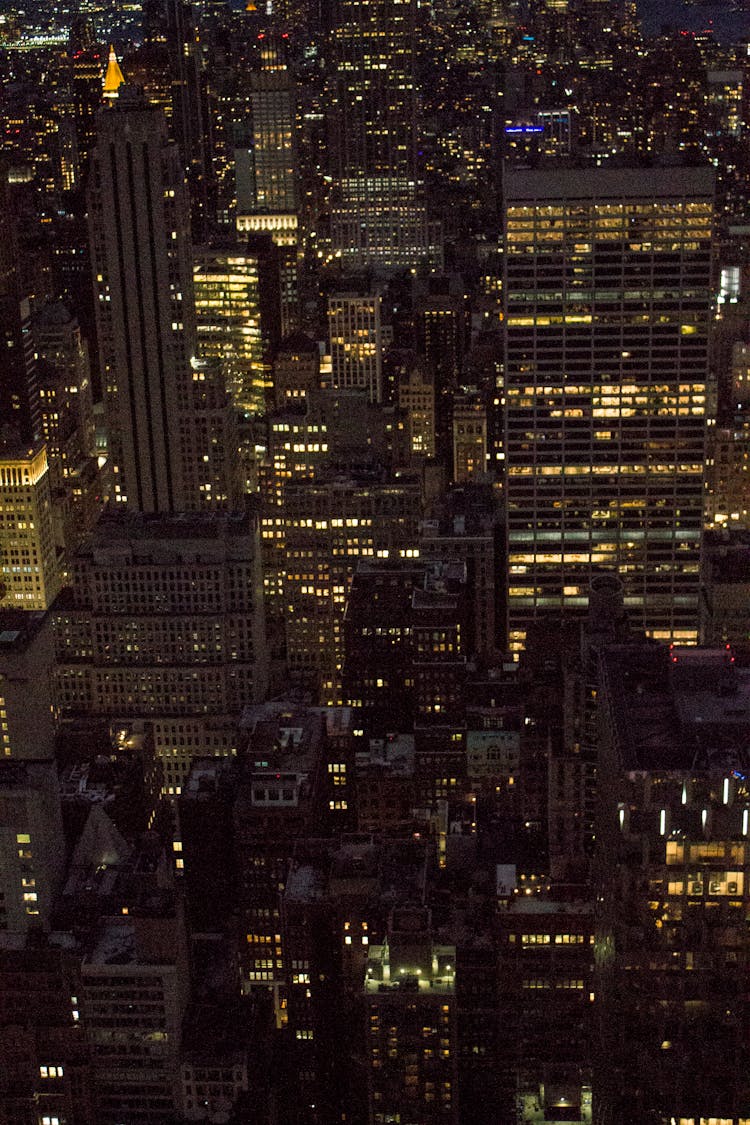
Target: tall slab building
(155, 391)
(607, 310)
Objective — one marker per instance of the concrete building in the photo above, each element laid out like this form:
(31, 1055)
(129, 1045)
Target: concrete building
(330, 524)
(411, 1023)
(30, 571)
(470, 447)
(32, 849)
(378, 217)
(672, 885)
(278, 803)
(137, 964)
(296, 370)
(154, 392)
(46, 1070)
(725, 596)
(465, 525)
(356, 337)
(416, 397)
(27, 727)
(164, 622)
(545, 994)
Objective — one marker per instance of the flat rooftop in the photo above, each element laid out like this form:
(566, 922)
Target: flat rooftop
(18, 628)
(679, 709)
(127, 526)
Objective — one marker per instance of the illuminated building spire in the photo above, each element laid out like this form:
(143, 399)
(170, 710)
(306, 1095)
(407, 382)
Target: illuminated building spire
(113, 78)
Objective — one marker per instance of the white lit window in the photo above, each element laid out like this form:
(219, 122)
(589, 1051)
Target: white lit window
(50, 1072)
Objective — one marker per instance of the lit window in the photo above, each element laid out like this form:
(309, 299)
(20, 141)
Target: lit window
(50, 1072)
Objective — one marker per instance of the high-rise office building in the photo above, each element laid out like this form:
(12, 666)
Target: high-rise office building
(235, 323)
(154, 390)
(29, 570)
(267, 170)
(469, 438)
(466, 525)
(296, 370)
(545, 997)
(278, 801)
(88, 64)
(416, 397)
(607, 308)
(46, 1067)
(27, 729)
(65, 394)
(378, 216)
(355, 332)
(78, 478)
(330, 523)
(32, 850)
(266, 166)
(183, 45)
(137, 961)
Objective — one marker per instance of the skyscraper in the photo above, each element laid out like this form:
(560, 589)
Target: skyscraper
(139, 217)
(607, 303)
(88, 64)
(267, 169)
(235, 324)
(19, 402)
(378, 217)
(411, 1023)
(187, 103)
(355, 330)
(29, 570)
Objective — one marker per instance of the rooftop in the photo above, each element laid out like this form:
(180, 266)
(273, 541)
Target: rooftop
(126, 527)
(393, 755)
(682, 709)
(18, 628)
(114, 944)
(305, 883)
(437, 980)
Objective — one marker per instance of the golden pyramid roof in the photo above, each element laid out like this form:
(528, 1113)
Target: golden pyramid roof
(113, 78)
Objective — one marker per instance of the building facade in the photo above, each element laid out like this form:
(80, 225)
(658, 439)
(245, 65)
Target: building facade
(139, 222)
(607, 307)
(164, 622)
(29, 568)
(378, 215)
